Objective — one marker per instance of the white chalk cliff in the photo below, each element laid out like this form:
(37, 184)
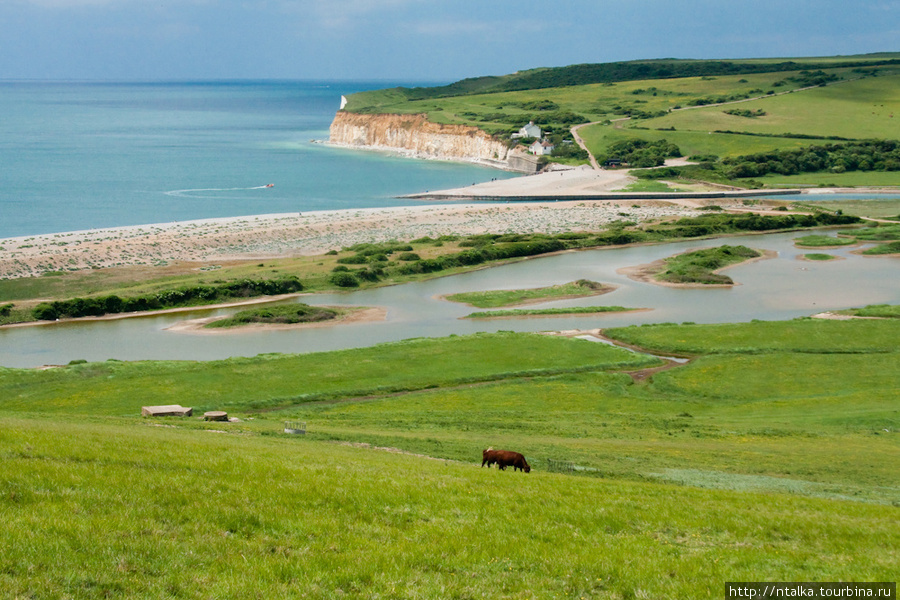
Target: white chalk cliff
(416, 136)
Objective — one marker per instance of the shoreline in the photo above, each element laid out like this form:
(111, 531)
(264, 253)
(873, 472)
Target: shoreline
(262, 237)
(361, 314)
(573, 199)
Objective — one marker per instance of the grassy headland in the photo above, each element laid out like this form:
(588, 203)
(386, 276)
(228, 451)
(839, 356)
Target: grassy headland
(769, 106)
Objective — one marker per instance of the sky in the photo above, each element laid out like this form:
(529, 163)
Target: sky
(414, 40)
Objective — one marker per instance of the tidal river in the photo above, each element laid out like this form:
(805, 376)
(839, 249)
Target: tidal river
(781, 288)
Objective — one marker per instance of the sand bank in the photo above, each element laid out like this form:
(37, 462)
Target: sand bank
(350, 315)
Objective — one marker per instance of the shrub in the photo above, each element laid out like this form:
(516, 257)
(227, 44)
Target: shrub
(344, 280)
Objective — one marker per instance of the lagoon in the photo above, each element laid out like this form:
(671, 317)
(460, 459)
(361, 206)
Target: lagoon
(776, 289)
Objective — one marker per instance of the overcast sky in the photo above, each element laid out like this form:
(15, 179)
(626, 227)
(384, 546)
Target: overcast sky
(415, 40)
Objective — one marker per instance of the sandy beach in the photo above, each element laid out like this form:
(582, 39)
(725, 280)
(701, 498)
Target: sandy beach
(312, 233)
(309, 234)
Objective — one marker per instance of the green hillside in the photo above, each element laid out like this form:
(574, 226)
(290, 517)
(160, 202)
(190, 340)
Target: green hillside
(707, 108)
(771, 456)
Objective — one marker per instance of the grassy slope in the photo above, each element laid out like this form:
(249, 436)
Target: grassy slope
(853, 108)
(108, 511)
(105, 505)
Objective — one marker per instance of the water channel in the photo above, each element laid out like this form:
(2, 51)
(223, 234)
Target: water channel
(781, 288)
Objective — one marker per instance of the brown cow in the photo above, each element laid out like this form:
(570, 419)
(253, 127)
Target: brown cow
(504, 458)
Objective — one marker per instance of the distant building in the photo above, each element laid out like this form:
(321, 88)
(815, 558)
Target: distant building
(540, 148)
(529, 131)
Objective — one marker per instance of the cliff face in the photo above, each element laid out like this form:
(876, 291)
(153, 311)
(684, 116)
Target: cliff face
(417, 136)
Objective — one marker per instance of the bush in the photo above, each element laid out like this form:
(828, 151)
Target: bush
(183, 296)
(344, 280)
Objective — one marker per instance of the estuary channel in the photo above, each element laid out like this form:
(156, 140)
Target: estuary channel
(781, 288)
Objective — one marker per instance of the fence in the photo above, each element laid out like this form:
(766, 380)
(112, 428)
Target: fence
(294, 427)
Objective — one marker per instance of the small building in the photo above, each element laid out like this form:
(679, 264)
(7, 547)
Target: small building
(529, 131)
(541, 148)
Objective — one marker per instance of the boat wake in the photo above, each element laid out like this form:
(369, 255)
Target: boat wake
(198, 192)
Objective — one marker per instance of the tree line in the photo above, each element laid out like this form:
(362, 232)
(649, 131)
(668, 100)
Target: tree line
(871, 155)
(182, 296)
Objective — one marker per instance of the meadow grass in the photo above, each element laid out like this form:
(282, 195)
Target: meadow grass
(499, 298)
(700, 266)
(105, 510)
(858, 109)
(818, 256)
(572, 310)
(883, 249)
(771, 457)
(822, 241)
(885, 311)
(268, 381)
(800, 335)
(876, 206)
(880, 233)
(278, 314)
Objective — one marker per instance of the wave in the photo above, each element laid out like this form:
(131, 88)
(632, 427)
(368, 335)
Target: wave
(192, 192)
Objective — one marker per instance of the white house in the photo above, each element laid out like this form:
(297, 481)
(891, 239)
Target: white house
(540, 148)
(529, 131)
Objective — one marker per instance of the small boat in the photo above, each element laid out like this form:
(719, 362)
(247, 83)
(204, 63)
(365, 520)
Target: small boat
(270, 185)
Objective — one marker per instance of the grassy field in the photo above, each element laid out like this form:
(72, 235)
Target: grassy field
(878, 208)
(883, 311)
(501, 298)
(771, 456)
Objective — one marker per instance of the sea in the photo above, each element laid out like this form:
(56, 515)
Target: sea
(83, 155)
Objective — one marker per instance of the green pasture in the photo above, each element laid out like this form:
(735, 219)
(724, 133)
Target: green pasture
(884, 311)
(878, 207)
(800, 335)
(860, 109)
(691, 143)
(272, 380)
(125, 511)
(771, 456)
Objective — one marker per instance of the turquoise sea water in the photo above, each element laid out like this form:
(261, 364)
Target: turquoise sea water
(86, 155)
